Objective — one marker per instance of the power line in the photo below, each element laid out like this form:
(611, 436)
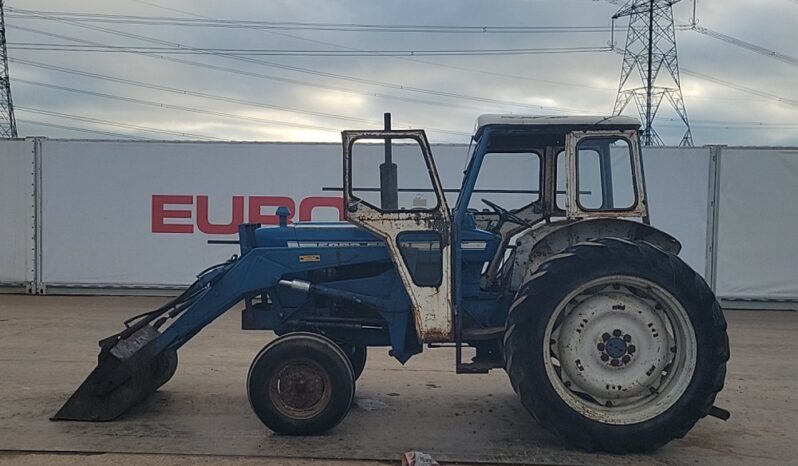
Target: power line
(299, 25)
(263, 76)
(179, 91)
(735, 86)
(116, 123)
(741, 88)
(347, 78)
(216, 97)
(196, 110)
(745, 45)
(82, 130)
(175, 107)
(261, 105)
(483, 71)
(615, 2)
(300, 53)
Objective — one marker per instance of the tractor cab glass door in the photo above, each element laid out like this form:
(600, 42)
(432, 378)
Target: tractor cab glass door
(604, 175)
(391, 187)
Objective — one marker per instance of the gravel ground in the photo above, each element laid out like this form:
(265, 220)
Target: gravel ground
(49, 344)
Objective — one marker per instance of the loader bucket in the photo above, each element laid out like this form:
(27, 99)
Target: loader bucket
(125, 375)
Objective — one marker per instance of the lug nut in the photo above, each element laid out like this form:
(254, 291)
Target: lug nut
(627, 338)
(600, 346)
(626, 359)
(605, 336)
(605, 357)
(616, 333)
(615, 363)
(631, 349)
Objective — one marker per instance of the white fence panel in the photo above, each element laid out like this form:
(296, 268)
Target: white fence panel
(677, 184)
(17, 212)
(139, 214)
(758, 224)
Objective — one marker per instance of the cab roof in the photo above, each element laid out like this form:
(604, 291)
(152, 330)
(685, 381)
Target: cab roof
(556, 120)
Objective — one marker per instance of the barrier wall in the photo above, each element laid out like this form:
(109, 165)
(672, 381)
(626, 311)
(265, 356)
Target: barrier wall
(17, 212)
(131, 214)
(758, 224)
(140, 214)
(676, 181)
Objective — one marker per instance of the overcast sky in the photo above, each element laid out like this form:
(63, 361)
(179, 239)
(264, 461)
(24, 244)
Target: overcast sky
(534, 84)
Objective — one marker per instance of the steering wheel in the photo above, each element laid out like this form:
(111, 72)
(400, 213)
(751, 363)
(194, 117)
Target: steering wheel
(505, 215)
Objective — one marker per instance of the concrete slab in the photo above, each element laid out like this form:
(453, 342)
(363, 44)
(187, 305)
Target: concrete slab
(48, 345)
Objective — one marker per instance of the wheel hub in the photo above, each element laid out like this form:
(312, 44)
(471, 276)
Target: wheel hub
(612, 345)
(300, 389)
(620, 349)
(616, 349)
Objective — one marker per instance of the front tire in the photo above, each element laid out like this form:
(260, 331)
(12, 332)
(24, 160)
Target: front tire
(301, 384)
(357, 354)
(617, 346)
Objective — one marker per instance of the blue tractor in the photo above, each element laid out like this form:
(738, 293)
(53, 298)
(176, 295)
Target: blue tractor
(609, 339)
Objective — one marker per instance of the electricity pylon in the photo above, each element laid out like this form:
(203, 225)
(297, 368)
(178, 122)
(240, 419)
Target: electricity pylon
(650, 47)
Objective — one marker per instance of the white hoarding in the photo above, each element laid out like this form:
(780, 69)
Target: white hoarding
(758, 220)
(141, 213)
(127, 213)
(678, 191)
(17, 211)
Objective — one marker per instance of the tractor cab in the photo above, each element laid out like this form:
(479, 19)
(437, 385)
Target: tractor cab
(524, 173)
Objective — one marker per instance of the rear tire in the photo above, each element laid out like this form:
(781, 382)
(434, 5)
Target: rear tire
(617, 346)
(301, 384)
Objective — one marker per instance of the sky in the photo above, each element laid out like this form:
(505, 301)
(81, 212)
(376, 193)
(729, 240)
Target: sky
(313, 98)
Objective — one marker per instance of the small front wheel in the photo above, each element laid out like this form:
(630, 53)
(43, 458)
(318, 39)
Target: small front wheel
(163, 368)
(301, 384)
(357, 355)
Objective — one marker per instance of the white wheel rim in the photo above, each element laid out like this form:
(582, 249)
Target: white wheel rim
(620, 350)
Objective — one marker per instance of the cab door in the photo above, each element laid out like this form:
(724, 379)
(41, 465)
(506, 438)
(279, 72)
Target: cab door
(391, 188)
(604, 175)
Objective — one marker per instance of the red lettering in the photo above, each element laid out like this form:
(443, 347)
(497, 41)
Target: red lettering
(257, 203)
(260, 209)
(309, 203)
(203, 219)
(160, 214)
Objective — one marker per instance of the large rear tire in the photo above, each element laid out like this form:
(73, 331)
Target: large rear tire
(301, 384)
(617, 346)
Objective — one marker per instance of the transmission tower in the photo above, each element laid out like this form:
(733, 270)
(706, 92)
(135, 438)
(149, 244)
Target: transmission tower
(650, 46)
(8, 124)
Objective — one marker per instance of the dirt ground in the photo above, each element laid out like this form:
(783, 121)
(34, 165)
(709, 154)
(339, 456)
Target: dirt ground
(49, 344)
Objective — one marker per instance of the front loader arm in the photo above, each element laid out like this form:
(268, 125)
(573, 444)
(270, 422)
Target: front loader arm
(129, 364)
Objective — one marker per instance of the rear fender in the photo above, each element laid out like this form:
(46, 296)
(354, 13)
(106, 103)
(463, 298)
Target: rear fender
(539, 244)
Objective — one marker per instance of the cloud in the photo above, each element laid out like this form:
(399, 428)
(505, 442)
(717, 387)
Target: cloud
(539, 84)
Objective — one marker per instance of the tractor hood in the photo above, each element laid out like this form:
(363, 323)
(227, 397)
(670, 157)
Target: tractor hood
(316, 234)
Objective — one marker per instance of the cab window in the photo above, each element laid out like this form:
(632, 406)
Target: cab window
(509, 179)
(379, 160)
(604, 174)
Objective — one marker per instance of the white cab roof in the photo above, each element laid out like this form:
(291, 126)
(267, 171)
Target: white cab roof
(534, 120)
